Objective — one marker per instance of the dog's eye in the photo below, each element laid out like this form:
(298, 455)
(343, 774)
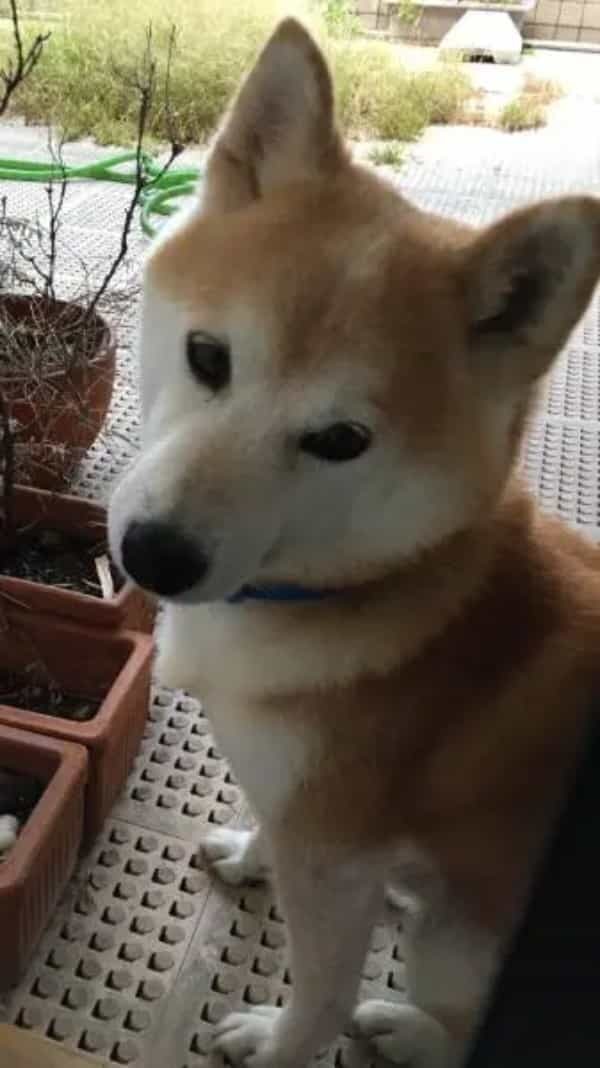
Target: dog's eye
(208, 360)
(338, 442)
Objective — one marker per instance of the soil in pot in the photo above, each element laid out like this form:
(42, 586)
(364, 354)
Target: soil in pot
(52, 546)
(19, 794)
(110, 667)
(57, 558)
(34, 691)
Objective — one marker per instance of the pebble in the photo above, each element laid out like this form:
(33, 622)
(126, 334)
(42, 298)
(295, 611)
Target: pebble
(18, 796)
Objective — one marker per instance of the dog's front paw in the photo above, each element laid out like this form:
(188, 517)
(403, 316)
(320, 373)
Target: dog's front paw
(249, 1039)
(235, 856)
(404, 1034)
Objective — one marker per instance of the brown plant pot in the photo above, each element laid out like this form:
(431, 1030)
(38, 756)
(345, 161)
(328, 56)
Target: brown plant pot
(40, 864)
(113, 666)
(129, 608)
(59, 411)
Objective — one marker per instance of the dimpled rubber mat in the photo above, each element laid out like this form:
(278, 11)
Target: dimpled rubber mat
(146, 952)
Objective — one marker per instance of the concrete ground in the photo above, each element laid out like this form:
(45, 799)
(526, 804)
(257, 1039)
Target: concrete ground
(577, 74)
(145, 951)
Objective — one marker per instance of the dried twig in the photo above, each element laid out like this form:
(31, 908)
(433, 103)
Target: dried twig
(7, 448)
(19, 68)
(39, 353)
(55, 207)
(102, 565)
(175, 145)
(144, 84)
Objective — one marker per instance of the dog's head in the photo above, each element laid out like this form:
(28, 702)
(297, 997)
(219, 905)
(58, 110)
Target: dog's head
(331, 380)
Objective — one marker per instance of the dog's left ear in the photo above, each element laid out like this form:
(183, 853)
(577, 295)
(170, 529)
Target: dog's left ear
(528, 280)
(281, 127)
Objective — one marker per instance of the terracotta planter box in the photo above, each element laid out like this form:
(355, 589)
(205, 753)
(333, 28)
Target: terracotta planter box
(111, 666)
(59, 410)
(38, 867)
(129, 608)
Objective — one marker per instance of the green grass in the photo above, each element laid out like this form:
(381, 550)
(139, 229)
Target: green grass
(82, 81)
(339, 17)
(388, 154)
(522, 113)
(379, 98)
(529, 110)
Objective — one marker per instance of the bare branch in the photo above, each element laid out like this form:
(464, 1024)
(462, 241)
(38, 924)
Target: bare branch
(7, 452)
(41, 351)
(175, 144)
(144, 84)
(55, 207)
(19, 68)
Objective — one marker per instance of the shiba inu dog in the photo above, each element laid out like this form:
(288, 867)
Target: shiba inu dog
(395, 647)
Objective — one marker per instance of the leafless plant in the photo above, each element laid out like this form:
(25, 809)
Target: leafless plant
(45, 357)
(18, 68)
(20, 65)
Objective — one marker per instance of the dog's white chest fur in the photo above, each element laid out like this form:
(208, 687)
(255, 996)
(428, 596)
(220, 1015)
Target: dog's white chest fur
(201, 650)
(268, 756)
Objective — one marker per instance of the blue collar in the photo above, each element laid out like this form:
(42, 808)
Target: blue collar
(279, 593)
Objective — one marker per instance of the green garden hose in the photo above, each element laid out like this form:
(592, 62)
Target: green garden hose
(160, 191)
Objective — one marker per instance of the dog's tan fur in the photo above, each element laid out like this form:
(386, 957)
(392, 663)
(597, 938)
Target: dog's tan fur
(440, 702)
(492, 710)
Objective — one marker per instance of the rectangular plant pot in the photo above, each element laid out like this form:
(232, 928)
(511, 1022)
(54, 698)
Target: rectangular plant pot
(36, 871)
(129, 608)
(113, 665)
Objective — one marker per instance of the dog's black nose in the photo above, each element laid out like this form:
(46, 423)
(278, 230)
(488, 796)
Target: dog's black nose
(160, 559)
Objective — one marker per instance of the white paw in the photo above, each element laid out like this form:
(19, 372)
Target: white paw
(404, 1034)
(248, 1038)
(235, 856)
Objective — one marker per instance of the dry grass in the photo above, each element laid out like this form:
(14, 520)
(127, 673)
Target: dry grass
(76, 85)
(529, 110)
(544, 90)
(522, 113)
(388, 154)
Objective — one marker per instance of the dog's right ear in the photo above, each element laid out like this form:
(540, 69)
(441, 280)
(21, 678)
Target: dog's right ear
(281, 127)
